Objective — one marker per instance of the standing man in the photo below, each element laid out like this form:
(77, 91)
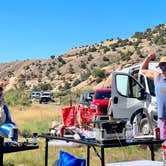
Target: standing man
(7, 126)
(160, 89)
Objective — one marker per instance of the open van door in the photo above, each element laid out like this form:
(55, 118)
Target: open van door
(128, 97)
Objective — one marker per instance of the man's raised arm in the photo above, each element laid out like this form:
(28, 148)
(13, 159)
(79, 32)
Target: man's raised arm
(145, 67)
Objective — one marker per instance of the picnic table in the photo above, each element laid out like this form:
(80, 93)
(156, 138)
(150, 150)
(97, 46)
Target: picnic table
(93, 143)
(5, 147)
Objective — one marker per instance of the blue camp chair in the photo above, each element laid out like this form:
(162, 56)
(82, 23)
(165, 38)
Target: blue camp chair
(66, 159)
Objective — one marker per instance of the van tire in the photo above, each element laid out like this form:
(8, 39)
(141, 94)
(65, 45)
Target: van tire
(144, 126)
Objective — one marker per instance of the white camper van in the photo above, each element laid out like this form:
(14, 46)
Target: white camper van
(133, 97)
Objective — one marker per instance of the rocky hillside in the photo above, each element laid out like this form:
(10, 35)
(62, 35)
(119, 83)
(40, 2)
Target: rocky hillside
(86, 66)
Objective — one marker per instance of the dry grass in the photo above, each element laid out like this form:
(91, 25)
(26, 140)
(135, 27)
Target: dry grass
(38, 112)
(48, 113)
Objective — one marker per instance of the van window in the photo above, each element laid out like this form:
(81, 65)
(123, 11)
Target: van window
(135, 88)
(142, 81)
(122, 84)
(151, 87)
(135, 74)
(127, 86)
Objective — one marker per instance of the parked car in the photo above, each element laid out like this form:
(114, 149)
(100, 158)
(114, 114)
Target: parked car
(98, 99)
(86, 98)
(101, 100)
(46, 97)
(36, 95)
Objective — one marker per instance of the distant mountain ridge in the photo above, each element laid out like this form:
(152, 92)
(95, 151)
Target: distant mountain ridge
(87, 66)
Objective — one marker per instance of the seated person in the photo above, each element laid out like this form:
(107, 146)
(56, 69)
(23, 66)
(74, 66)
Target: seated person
(7, 126)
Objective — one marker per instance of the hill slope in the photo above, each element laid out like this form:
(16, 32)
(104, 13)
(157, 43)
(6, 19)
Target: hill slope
(87, 66)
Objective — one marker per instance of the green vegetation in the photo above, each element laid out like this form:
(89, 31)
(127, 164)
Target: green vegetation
(90, 57)
(71, 69)
(98, 73)
(17, 97)
(105, 49)
(83, 64)
(42, 87)
(139, 35)
(126, 56)
(105, 59)
(52, 56)
(85, 75)
(92, 49)
(76, 82)
(66, 86)
(60, 59)
(160, 39)
(68, 97)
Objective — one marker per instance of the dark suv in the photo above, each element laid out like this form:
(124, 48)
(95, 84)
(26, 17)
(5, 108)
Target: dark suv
(46, 97)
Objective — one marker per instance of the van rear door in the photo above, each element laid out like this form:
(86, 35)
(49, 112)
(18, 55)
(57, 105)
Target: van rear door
(126, 95)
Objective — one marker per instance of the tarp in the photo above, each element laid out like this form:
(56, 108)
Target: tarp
(69, 116)
(78, 116)
(86, 114)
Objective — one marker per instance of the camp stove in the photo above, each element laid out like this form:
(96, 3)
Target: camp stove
(110, 131)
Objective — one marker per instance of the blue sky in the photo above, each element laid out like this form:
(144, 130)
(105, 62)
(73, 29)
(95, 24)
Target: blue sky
(37, 29)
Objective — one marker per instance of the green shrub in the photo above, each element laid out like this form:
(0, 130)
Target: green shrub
(106, 49)
(66, 86)
(98, 73)
(60, 59)
(42, 87)
(99, 79)
(126, 56)
(105, 59)
(92, 49)
(61, 93)
(85, 75)
(76, 82)
(17, 97)
(90, 57)
(71, 69)
(139, 35)
(82, 64)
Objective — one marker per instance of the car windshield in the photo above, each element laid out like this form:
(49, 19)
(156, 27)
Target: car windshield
(46, 93)
(37, 93)
(103, 95)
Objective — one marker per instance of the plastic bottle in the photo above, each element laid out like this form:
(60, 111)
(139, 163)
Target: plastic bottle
(135, 129)
(34, 138)
(13, 134)
(128, 132)
(94, 133)
(164, 153)
(156, 131)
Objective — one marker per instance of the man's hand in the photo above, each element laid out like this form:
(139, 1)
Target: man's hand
(152, 57)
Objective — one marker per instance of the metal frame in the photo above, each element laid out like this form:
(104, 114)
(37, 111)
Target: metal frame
(102, 146)
(10, 149)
